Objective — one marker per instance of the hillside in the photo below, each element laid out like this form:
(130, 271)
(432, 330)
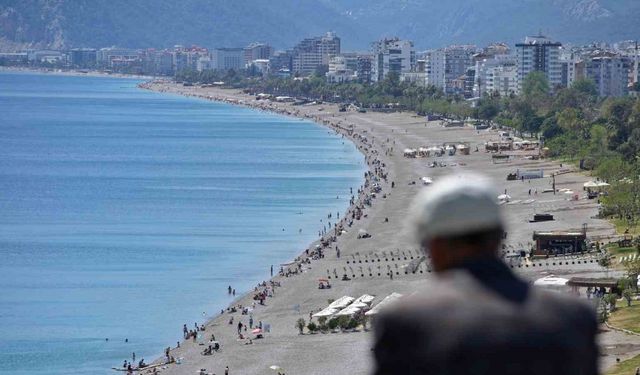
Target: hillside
(211, 23)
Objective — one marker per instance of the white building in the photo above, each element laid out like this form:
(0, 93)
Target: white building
(339, 72)
(497, 73)
(312, 53)
(435, 68)
(228, 58)
(539, 53)
(391, 55)
(204, 63)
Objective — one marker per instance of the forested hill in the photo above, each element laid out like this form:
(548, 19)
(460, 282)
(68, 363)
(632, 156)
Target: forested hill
(211, 23)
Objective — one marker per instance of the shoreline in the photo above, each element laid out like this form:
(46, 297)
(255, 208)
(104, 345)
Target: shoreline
(74, 72)
(285, 346)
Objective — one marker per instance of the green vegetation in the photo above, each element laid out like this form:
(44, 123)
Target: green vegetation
(627, 317)
(300, 324)
(626, 368)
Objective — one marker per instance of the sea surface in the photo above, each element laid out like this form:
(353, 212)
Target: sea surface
(126, 213)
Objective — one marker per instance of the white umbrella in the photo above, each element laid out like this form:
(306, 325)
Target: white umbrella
(504, 197)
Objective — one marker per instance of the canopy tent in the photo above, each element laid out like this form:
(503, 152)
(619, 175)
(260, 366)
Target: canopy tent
(348, 311)
(341, 302)
(426, 180)
(365, 298)
(334, 307)
(386, 301)
(325, 312)
(551, 281)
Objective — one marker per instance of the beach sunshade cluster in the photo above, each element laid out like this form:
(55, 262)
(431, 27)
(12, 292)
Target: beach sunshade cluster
(346, 306)
(385, 302)
(334, 307)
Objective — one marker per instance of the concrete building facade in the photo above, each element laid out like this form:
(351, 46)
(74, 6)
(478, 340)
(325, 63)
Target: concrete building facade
(391, 55)
(539, 53)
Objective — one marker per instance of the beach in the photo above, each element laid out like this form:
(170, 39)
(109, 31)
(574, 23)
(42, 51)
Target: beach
(377, 265)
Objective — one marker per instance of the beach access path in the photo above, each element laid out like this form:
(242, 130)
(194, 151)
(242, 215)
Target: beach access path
(382, 137)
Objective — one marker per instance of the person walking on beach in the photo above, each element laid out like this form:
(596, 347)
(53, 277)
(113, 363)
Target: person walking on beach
(272, 270)
(477, 317)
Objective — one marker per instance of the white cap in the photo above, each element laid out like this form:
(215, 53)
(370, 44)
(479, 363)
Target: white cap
(456, 205)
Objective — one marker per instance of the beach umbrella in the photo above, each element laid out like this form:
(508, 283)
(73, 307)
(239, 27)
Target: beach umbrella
(275, 368)
(504, 197)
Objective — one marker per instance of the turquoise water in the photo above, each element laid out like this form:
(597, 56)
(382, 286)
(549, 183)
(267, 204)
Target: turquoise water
(126, 213)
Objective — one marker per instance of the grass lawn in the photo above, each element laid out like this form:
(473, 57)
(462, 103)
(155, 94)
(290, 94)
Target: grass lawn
(621, 226)
(626, 317)
(619, 252)
(627, 367)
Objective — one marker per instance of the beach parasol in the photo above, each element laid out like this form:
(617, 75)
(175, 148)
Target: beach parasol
(275, 367)
(504, 197)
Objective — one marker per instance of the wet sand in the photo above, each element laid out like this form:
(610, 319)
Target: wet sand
(367, 262)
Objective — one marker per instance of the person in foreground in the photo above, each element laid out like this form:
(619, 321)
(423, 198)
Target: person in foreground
(477, 317)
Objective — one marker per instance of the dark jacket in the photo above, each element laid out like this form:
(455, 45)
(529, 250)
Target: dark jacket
(481, 319)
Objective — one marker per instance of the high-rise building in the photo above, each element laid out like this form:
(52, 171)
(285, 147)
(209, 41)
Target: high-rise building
(228, 58)
(391, 55)
(311, 53)
(257, 51)
(83, 57)
(114, 58)
(609, 72)
(435, 68)
(539, 53)
(457, 60)
(363, 68)
(338, 70)
(281, 61)
(495, 74)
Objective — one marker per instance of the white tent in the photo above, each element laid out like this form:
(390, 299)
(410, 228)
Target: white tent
(590, 184)
(325, 312)
(341, 302)
(386, 301)
(365, 298)
(334, 307)
(349, 310)
(553, 283)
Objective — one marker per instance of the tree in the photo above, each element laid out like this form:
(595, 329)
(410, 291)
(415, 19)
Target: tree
(632, 269)
(628, 295)
(300, 323)
(586, 87)
(312, 327)
(611, 300)
(535, 86)
(333, 323)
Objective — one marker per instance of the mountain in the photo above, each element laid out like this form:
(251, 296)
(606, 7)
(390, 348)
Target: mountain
(222, 23)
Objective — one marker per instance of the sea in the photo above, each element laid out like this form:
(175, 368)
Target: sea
(126, 213)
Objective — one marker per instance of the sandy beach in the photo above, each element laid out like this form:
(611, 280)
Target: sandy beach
(378, 265)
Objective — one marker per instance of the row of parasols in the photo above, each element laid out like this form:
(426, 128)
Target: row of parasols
(349, 306)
